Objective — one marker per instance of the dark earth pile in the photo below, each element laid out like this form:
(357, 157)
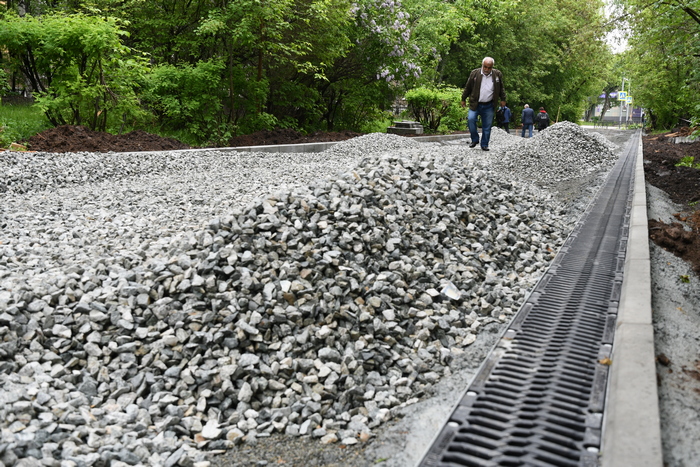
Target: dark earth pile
(682, 184)
(69, 138)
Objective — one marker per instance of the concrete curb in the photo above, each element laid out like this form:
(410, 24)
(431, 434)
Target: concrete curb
(632, 427)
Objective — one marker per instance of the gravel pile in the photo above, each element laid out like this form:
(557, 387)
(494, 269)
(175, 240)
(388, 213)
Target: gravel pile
(155, 308)
(561, 152)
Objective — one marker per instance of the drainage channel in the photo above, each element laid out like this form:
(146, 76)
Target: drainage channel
(538, 398)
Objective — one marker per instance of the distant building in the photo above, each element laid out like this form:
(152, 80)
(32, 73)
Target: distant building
(633, 114)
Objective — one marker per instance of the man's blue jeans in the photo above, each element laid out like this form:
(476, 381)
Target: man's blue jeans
(486, 112)
(528, 126)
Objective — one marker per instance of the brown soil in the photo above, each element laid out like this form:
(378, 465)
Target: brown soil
(661, 155)
(682, 184)
(69, 138)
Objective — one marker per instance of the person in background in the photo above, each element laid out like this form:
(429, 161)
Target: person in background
(484, 88)
(542, 120)
(505, 113)
(528, 119)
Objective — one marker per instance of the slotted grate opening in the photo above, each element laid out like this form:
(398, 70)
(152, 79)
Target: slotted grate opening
(538, 400)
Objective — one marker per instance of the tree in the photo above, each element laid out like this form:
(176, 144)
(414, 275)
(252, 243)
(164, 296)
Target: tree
(78, 66)
(550, 52)
(663, 59)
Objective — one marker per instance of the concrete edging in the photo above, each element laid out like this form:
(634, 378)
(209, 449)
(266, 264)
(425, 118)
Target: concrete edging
(632, 426)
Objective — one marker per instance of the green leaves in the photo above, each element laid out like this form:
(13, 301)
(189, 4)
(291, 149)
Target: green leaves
(82, 70)
(688, 161)
(236, 65)
(664, 58)
(437, 108)
(188, 97)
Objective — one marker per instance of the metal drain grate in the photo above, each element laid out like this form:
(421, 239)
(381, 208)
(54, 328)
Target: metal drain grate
(538, 399)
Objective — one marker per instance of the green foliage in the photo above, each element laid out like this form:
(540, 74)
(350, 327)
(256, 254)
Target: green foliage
(20, 122)
(379, 125)
(231, 67)
(688, 161)
(189, 98)
(261, 121)
(435, 26)
(695, 123)
(663, 59)
(4, 85)
(82, 72)
(437, 107)
(354, 106)
(551, 52)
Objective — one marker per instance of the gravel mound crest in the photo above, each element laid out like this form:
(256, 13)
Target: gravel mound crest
(561, 152)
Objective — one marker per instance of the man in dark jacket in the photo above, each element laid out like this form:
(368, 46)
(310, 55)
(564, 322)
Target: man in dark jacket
(505, 120)
(528, 118)
(542, 120)
(484, 89)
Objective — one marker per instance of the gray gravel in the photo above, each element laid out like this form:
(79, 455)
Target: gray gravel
(313, 309)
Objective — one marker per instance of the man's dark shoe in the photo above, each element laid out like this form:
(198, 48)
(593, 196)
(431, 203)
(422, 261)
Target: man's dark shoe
(484, 148)
(472, 145)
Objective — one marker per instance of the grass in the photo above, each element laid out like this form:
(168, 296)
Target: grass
(20, 122)
(688, 161)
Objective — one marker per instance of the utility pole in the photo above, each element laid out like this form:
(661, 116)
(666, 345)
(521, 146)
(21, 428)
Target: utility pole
(618, 98)
(629, 104)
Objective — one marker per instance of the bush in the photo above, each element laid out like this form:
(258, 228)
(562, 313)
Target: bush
(85, 74)
(259, 122)
(437, 109)
(189, 98)
(4, 86)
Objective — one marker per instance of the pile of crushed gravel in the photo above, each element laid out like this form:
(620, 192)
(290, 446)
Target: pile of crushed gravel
(558, 153)
(156, 308)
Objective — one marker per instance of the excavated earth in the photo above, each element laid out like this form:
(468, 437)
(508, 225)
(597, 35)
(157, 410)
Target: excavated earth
(682, 184)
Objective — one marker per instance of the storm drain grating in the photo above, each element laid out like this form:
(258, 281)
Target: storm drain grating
(538, 399)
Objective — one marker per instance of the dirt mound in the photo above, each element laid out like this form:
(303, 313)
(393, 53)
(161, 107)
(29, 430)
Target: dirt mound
(661, 155)
(71, 138)
(682, 184)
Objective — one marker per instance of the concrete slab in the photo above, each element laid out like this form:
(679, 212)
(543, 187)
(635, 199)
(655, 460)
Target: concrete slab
(632, 434)
(635, 301)
(632, 426)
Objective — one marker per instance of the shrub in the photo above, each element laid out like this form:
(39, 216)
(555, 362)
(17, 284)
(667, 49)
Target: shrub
(437, 108)
(82, 71)
(188, 97)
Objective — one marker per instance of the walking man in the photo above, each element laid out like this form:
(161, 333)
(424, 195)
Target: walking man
(505, 117)
(542, 120)
(528, 119)
(484, 89)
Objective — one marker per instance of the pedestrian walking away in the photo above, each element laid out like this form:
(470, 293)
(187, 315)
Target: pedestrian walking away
(542, 120)
(528, 119)
(503, 115)
(483, 90)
